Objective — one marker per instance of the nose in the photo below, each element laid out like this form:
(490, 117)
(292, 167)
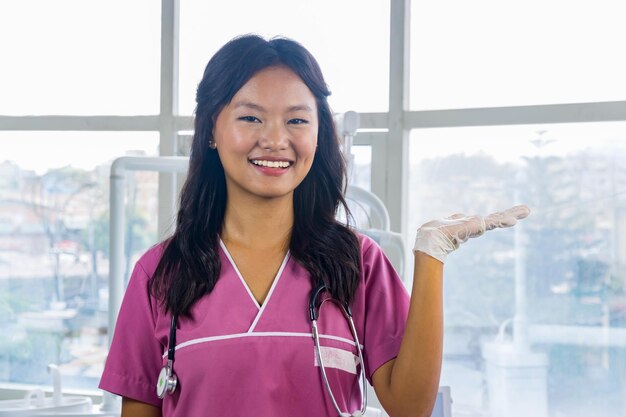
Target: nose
(274, 137)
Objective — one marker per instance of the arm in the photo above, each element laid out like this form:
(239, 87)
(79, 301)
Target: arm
(407, 385)
(135, 356)
(134, 408)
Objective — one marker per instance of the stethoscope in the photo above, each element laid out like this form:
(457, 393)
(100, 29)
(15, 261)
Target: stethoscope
(168, 380)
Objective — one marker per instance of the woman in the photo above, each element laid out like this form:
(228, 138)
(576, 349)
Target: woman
(256, 235)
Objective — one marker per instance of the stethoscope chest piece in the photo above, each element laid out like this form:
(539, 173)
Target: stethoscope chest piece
(167, 382)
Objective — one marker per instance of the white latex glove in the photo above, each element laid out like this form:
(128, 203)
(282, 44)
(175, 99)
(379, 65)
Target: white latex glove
(438, 238)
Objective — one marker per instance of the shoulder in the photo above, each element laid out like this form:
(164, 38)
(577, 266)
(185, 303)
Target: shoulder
(368, 246)
(372, 256)
(374, 260)
(150, 259)
(138, 288)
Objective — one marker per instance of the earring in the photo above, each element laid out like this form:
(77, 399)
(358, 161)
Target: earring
(212, 144)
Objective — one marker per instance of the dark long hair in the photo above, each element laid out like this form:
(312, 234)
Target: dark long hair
(190, 264)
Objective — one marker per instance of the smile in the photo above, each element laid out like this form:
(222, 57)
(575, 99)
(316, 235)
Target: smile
(271, 164)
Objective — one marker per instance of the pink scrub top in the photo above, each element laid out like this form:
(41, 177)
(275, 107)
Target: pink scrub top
(235, 357)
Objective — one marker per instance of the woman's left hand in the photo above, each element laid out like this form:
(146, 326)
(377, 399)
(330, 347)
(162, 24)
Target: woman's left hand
(438, 238)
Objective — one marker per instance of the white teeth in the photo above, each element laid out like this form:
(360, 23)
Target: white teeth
(271, 164)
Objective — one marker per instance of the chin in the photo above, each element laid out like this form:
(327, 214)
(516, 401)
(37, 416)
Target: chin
(272, 194)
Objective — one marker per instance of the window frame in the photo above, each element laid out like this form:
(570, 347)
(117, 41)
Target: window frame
(387, 133)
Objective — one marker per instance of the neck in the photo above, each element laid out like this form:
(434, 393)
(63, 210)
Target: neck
(259, 224)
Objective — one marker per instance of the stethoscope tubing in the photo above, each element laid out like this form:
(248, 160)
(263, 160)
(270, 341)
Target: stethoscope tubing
(314, 308)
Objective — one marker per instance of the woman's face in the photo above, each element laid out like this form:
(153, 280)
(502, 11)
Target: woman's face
(267, 135)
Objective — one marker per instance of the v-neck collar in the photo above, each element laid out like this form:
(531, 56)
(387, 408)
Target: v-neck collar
(260, 307)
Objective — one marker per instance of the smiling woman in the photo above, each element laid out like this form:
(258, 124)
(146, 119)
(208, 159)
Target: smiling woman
(256, 232)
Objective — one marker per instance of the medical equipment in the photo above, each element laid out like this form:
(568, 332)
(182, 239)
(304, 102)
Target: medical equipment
(347, 125)
(168, 381)
(36, 403)
(391, 242)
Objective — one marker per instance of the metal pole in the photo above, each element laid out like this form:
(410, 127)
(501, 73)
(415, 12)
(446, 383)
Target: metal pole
(520, 320)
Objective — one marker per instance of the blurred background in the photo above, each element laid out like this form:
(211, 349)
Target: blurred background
(464, 107)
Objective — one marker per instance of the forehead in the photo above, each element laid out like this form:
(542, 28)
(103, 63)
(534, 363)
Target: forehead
(275, 86)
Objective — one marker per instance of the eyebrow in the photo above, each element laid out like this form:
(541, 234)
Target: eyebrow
(253, 106)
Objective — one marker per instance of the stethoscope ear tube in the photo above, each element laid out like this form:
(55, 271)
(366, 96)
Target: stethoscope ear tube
(313, 311)
(171, 343)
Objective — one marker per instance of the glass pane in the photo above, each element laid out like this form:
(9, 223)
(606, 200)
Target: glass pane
(54, 245)
(80, 57)
(350, 40)
(488, 53)
(360, 176)
(571, 261)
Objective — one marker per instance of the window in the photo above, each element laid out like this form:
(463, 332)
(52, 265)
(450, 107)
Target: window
(80, 58)
(72, 57)
(489, 53)
(54, 248)
(344, 37)
(572, 248)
